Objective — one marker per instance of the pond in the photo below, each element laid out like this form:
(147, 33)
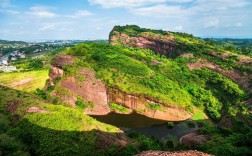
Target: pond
(148, 126)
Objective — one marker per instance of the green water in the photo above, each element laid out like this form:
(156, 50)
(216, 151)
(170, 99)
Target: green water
(147, 126)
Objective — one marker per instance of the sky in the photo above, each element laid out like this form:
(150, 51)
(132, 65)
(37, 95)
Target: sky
(30, 20)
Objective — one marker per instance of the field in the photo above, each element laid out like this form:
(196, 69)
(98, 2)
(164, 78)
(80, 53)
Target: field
(27, 81)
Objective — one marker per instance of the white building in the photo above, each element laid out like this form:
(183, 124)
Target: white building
(4, 61)
(13, 58)
(22, 55)
(8, 68)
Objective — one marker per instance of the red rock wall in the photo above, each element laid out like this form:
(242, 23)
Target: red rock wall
(94, 90)
(137, 103)
(165, 47)
(91, 89)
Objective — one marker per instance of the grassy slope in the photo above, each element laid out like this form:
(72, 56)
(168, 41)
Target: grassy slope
(169, 80)
(27, 81)
(59, 131)
(213, 91)
(130, 70)
(186, 43)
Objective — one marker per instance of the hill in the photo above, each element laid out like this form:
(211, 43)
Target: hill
(12, 42)
(159, 74)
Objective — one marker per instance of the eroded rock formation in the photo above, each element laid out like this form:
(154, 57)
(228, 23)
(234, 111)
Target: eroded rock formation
(175, 153)
(94, 90)
(194, 139)
(161, 45)
(138, 103)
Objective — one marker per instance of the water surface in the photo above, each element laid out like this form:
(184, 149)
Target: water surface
(147, 126)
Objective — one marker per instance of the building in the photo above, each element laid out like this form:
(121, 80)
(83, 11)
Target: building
(13, 58)
(22, 55)
(8, 68)
(4, 61)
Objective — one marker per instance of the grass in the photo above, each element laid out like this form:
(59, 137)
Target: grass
(27, 81)
(50, 132)
(198, 114)
(116, 107)
(154, 106)
(65, 118)
(22, 100)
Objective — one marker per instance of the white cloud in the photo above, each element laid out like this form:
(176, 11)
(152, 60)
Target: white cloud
(98, 28)
(159, 11)
(41, 12)
(10, 12)
(47, 27)
(131, 3)
(212, 23)
(178, 27)
(216, 6)
(5, 3)
(81, 13)
(239, 24)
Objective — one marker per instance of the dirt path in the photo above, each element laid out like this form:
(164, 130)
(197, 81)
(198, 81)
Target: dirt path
(21, 82)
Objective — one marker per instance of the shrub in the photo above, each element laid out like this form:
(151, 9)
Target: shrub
(170, 124)
(153, 106)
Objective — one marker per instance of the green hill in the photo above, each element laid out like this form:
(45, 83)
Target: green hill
(152, 72)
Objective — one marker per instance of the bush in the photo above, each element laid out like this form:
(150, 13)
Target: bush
(170, 124)
(80, 104)
(153, 106)
(114, 106)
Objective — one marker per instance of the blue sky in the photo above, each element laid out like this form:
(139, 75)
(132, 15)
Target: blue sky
(94, 19)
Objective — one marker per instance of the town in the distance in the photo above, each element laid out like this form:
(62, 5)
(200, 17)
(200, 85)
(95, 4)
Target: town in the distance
(16, 51)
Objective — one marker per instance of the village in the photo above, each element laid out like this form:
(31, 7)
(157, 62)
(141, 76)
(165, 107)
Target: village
(11, 51)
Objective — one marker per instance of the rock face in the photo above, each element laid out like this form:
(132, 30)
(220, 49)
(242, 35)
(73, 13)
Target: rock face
(165, 46)
(243, 81)
(94, 91)
(176, 153)
(91, 89)
(138, 103)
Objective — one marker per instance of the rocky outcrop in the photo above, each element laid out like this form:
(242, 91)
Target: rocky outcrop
(243, 81)
(57, 65)
(62, 60)
(138, 103)
(94, 91)
(35, 109)
(194, 139)
(163, 45)
(107, 140)
(175, 153)
(54, 73)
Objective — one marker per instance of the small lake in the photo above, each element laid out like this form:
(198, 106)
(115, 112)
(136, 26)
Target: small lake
(147, 126)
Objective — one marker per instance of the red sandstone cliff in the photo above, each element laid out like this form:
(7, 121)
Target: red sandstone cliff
(94, 90)
(159, 44)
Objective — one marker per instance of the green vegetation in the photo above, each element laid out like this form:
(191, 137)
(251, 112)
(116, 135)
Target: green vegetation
(120, 108)
(124, 68)
(198, 114)
(37, 133)
(132, 71)
(154, 106)
(53, 129)
(80, 103)
(240, 46)
(27, 81)
(228, 141)
(170, 124)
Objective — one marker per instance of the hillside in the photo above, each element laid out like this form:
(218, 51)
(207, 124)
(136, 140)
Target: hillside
(158, 74)
(12, 42)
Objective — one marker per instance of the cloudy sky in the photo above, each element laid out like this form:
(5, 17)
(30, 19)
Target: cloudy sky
(93, 19)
